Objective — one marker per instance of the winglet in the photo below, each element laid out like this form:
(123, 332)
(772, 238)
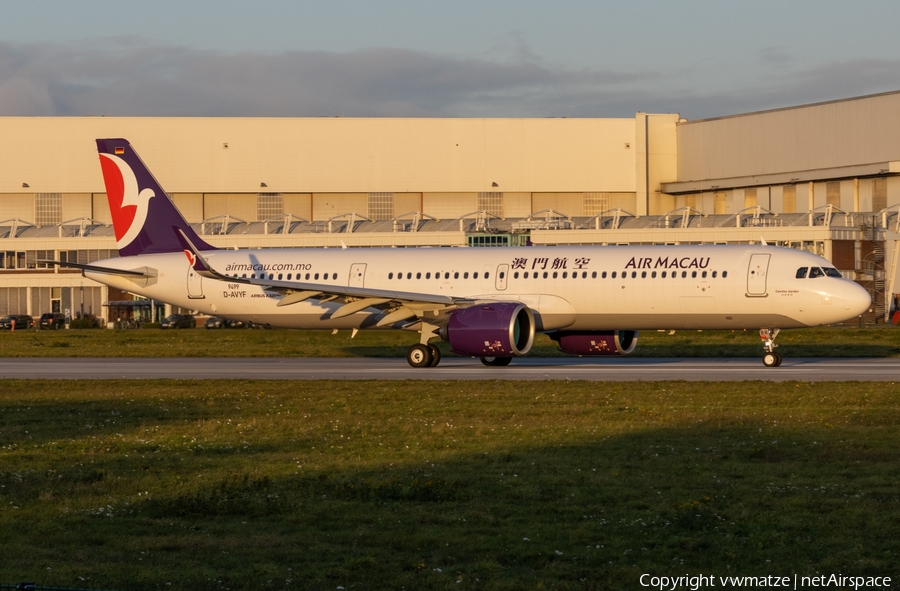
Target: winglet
(198, 261)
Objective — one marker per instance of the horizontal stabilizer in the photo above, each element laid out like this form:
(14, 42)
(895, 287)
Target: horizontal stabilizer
(141, 272)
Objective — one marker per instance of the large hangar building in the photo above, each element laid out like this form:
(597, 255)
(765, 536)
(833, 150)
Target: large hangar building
(823, 177)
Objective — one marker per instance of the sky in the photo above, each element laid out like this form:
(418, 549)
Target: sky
(451, 58)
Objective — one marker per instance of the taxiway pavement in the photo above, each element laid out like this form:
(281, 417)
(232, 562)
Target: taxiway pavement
(527, 368)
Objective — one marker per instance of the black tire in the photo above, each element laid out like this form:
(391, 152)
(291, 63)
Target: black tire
(435, 355)
(496, 361)
(771, 359)
(419, 355)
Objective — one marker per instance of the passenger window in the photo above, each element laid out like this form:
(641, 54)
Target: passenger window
(584, 274)
(526, 275)
(683, 274)
(801, 272)
(475, 275)
(565, 274)
(594, 275)
(613, 274)
(409, 275)
(555, 274)
(724, 274)
(545, 274)
(653, 275)
(832, 272)
(714, 274)
(428, 275)
(390, 275)
(633, 274)
(663, 275)
(289, 276)
(486, 275)
(694, 274)
(643, 274)
(816, 272)
(466, 275)
(456, 275)
(703, 275)
(418, 275)
(317, 276)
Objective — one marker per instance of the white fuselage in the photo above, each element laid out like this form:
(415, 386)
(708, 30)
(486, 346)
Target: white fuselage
(568, 288)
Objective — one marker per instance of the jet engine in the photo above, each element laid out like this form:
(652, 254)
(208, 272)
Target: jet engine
(497, 329)
(612, 342)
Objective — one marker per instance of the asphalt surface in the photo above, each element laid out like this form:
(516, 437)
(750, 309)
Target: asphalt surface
(527, 368)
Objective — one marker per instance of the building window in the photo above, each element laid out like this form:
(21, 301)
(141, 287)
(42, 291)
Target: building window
(595, 203)
(789, 199)
(879, 194)
(491, 202)
(47, 209)
(381, 206)
(720, 203)
(749, 198)
(269, 205)
(833, 194)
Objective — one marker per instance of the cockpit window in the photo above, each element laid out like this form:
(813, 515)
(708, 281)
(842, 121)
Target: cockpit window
(801, 272)
(832, 272)
(816, 272)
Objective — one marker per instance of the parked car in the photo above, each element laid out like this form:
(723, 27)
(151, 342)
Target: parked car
(219, 322)
(52, 321)
(178, 321)
(23, 322)
(215, 322)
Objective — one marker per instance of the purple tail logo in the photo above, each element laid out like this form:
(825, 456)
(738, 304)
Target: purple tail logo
(144, 218)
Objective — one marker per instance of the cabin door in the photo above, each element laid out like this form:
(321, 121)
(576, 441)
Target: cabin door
(194, 279)
(756, 275)
(357, 275)
(502, 272)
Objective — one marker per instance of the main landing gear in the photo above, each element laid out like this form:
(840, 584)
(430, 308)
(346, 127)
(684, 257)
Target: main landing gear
(496, 361)
(770, 357)
(423, 355)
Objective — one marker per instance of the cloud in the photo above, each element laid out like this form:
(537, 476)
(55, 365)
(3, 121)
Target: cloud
(136, 77)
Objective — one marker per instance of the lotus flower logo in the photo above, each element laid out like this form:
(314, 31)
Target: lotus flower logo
(127, 204)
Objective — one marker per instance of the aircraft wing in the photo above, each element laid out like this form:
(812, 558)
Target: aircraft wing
(398, 305)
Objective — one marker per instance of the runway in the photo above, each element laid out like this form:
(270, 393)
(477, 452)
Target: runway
(527, 368)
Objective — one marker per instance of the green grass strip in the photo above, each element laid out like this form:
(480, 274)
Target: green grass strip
(433, 485)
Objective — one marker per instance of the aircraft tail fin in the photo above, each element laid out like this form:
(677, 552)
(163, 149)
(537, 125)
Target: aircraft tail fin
(145, 219)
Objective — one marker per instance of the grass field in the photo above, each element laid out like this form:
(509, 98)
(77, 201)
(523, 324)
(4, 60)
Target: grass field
(475, 485)
(883, 341)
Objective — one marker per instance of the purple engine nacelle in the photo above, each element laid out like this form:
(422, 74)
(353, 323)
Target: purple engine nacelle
(500, 329)
(611, 342)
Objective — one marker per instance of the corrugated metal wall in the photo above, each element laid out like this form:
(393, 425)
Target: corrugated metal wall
(829, 135)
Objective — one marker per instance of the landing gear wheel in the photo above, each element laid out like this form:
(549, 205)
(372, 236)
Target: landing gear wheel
(496, 361)
(771, 359)
(419, 355)
(435, 355)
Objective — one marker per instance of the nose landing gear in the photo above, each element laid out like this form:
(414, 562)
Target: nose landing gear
(770, 357)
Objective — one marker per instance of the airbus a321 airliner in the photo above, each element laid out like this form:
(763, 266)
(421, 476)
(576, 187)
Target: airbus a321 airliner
(486, 302)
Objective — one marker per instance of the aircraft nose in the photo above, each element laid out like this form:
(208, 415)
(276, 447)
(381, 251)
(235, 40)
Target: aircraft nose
(855, 299)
